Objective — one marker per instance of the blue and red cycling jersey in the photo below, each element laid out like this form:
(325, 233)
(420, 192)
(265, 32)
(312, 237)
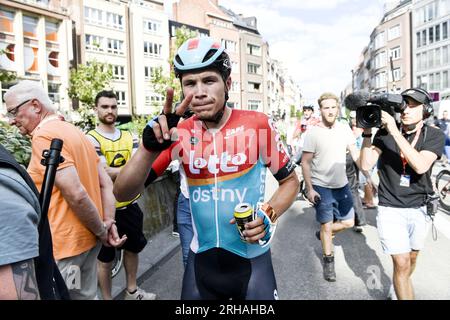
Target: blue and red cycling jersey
(225, 167)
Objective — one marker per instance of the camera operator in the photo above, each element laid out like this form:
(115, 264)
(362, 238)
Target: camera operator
(405, 157)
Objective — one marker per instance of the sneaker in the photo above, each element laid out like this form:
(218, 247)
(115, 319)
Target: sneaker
(358, 229)
(391, 294)
(328, 268)
(175, 234)
(139, 294)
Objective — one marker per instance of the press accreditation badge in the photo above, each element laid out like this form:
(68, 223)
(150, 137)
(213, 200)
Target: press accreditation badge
(405, 181)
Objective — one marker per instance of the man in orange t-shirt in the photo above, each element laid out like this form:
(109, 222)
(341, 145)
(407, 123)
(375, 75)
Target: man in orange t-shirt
(82, 204)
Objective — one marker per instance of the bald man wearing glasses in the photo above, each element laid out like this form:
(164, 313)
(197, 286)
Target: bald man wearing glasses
(81, 212)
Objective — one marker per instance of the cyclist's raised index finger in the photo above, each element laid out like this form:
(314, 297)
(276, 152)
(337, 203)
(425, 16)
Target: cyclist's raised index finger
(184, 105)
(169, 101)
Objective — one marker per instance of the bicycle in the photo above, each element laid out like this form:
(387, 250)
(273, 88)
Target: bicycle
(443, 188)
(117, 263)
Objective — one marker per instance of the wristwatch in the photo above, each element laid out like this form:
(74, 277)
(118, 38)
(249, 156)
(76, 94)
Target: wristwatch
(267, 208)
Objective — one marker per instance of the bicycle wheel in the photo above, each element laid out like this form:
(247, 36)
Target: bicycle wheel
(443, 188)
(117, 263)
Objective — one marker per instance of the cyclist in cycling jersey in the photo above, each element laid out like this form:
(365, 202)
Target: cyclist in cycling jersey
(224, 153)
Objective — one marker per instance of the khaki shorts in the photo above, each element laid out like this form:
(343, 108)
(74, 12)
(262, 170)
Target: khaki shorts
(80, 274)
(402, 230)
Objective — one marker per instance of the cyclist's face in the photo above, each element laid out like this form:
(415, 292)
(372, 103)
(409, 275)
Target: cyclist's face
(307, 113)
(208, 90)
(329, 111)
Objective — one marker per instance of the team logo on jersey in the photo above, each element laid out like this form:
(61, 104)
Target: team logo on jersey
(118, 161)
(215, 163)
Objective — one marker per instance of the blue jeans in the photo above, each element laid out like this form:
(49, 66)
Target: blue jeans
(184, 226)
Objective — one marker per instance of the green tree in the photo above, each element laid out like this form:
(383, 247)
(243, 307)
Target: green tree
(15, 143)
(161, 81)
(5, 75)
(84, 83)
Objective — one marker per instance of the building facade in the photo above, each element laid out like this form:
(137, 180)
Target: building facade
(390, 51)
(35, 38)
(131, 36)
(431, 43)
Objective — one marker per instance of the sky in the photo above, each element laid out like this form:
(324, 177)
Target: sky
(318, 41)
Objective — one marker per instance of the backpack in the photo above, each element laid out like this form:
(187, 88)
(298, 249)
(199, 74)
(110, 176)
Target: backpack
(51, 285)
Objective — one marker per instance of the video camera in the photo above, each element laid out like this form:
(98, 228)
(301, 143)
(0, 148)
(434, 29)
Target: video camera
(368, 107)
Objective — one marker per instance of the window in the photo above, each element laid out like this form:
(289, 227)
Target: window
(424, 37)
(115, 46)
(235, 86)
(253, 50)
(149, 72)
(121, 98)
(445, 31)
(395, 53)
(118, 72)
(8, 60)
(93, 16)
(424, 60)
(31, 59)
(418, 62)
(153, 99)
(51, 31)
(380, 60)
(233, 105)
(431, 35)
(445, 80)
(30, 26)
(380, 80)
(379, 40)
(53, 92)
(438, 33)
(437, 81)
(53, 59)
(254, 86)
(152, 26)
(114, 20)
(254, 104)
(229, 45)
(418, 34)
(437, 57)
(397, 74)
(431, 59)
(152, 49)
(445, 55)
(94, 43)
(6, 21)
(394, 32)
(253, 68)
(235, 66)
(431, 81)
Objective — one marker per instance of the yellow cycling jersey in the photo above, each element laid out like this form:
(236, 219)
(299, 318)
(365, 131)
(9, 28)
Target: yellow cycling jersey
(116, 152)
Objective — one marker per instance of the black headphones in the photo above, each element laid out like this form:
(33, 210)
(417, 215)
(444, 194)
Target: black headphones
(427, 107)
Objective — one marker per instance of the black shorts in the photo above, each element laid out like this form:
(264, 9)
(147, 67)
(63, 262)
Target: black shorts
(129, 221)
(218, 274)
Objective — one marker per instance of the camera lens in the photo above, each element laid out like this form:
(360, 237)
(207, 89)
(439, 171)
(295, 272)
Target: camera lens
(368, 116)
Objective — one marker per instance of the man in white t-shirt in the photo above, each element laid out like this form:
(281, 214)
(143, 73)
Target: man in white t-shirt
(323, 165)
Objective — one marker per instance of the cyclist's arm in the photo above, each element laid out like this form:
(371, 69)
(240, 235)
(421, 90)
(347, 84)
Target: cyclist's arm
(159, 166)
(132, 177)
(286, 193)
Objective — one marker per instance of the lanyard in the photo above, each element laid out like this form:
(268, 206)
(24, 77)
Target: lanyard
(413, 144)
